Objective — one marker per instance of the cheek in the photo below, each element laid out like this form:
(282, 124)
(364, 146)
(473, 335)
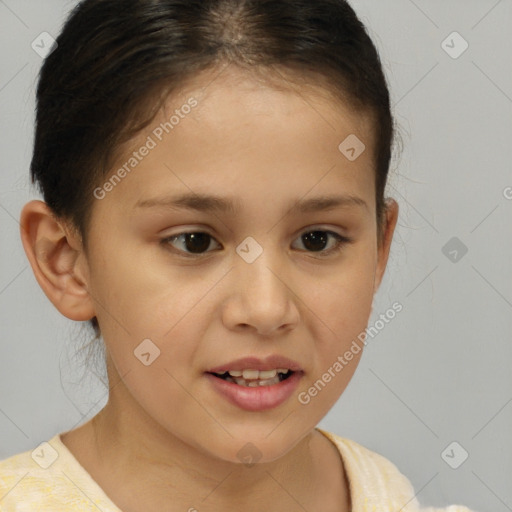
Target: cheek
(344, 299)
(341, 308)
(138, 293)
(157, 313)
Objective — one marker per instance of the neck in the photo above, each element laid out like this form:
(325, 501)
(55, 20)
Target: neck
(124, 444)
(132, 446)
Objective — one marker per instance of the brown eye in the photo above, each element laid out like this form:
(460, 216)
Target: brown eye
(318, 240)
(198, 243)
(191, 243)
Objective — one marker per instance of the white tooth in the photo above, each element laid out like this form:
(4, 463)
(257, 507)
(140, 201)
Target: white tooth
(255, 382)
(235, 373)
(282, 370)
(250, 374)
(269, 382)
(268, 374)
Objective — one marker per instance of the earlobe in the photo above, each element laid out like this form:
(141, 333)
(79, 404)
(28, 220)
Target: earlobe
(57, 260)
(391, 218)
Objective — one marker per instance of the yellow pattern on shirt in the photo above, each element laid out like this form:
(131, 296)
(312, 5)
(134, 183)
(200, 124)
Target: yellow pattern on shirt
(50, 479)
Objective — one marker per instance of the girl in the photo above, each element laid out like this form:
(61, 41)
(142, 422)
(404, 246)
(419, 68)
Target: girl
(263, 130)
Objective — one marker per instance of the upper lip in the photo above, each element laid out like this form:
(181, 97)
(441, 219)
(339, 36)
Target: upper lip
(254, 363)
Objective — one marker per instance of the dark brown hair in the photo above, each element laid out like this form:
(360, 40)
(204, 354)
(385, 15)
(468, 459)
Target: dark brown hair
(98, 88)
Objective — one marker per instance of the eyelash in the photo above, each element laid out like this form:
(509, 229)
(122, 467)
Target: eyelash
(341, 241)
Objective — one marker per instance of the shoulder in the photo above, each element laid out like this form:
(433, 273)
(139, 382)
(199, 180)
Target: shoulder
(47, 479)
(376, 483)
(27, 479)
(452, 508)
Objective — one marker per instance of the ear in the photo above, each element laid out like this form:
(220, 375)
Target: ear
(55, 253)
(388, 229)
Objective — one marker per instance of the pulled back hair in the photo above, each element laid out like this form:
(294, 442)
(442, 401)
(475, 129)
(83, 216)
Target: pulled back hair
(115, 58)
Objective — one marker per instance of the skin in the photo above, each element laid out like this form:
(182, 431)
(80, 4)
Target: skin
(165, 433)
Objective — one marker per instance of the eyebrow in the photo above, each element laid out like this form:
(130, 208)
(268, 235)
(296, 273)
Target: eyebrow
(210, 203)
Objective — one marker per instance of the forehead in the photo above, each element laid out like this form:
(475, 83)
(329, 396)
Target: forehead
(243, 134)
(232, 93)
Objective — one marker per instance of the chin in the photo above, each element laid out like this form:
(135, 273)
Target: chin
(248, 450)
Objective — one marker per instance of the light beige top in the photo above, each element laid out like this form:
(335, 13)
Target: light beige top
(50, 479)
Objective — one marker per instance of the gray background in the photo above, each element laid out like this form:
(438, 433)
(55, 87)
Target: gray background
(440, 371)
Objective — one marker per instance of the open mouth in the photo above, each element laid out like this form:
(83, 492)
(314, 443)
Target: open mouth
(253, 378)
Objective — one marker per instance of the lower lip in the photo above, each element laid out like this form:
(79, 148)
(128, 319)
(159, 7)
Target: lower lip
(259, 398)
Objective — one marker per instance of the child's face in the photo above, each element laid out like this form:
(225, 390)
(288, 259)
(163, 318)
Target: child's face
(266, 151)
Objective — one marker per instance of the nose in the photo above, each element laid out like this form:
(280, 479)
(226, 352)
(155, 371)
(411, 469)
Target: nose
(261, 298)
